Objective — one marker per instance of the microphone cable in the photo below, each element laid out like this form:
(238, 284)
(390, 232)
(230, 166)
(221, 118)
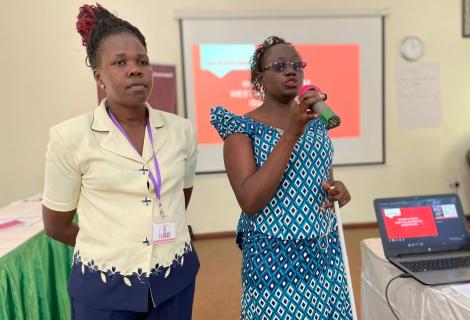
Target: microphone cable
(403, 275)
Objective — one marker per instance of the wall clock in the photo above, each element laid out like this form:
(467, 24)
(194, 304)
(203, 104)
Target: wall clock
(412, 48)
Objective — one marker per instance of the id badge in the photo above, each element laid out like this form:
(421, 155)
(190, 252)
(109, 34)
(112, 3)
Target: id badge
(163, 232)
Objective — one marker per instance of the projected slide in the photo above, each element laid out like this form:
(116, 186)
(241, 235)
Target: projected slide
(221, 76)
(411, 222)
(345, 59)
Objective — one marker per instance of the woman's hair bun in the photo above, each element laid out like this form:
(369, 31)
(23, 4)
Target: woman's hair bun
(95, 23)
(86, 20)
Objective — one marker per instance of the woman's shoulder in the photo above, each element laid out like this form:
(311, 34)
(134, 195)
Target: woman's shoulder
(71, 132)
(168, 117)
(220, 112)
(227, 122)
(75, 124)
(176, 125)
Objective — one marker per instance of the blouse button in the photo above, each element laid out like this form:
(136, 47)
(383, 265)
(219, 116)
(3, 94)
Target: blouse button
(147, 201)
(144, 170)
(146, 242)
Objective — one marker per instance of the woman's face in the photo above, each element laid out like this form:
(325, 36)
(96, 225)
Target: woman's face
(124, 70)
(281, 85)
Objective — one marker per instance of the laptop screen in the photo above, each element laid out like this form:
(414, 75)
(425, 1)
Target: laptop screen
(420, 224)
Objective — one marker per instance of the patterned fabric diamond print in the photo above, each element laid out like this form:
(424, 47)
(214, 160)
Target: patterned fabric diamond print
(307, 168)
(285, 291)
(292, 266)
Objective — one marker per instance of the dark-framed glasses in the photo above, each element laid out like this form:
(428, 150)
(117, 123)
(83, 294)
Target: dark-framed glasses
(280, 66)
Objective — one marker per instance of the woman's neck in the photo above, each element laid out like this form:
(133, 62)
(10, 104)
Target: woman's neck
(129, 116)
(276, 107)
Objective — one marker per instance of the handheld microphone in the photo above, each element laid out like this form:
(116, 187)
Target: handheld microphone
(329, 118)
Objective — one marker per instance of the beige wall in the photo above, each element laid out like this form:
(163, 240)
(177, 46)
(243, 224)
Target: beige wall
(45, 81)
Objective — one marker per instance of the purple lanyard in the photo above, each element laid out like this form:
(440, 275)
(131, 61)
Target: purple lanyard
(156, 182)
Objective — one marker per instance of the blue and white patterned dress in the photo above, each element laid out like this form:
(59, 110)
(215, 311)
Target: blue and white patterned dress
(292, 266)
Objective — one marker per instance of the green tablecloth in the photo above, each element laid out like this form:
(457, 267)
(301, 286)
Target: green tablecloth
(33, 280)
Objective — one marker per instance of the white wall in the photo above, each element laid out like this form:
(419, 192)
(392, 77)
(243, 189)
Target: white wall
(44, 81)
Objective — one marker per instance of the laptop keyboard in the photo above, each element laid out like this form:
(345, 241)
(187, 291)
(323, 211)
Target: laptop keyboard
(438, 264)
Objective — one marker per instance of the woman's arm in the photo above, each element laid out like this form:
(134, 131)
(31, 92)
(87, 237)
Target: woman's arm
(254, 188)
(60, 225)
(337, 191)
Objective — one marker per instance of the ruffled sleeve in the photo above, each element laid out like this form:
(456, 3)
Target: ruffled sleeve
(227, 123)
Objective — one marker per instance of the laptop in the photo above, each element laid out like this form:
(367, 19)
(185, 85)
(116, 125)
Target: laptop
(426, 236)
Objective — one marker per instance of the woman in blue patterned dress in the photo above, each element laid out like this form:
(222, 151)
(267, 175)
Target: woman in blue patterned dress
(278, 159)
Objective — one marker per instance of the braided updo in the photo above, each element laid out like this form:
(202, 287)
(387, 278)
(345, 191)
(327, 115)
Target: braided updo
(95, 23)
(255, 62)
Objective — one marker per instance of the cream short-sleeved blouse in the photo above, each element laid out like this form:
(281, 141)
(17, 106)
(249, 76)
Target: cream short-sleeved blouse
(91, 167)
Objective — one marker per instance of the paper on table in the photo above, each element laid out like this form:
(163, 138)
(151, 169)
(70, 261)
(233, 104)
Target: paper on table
(20, 214)
(463, 289)
(23, 222)
(5, 223)
(30, 221)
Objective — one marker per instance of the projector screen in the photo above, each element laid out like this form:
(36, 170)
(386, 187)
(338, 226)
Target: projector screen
(344, 54)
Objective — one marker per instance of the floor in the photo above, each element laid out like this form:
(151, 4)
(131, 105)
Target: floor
(218, 286)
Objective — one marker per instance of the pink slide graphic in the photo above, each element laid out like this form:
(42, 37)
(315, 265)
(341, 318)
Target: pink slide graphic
(334, 68)
(409, 222)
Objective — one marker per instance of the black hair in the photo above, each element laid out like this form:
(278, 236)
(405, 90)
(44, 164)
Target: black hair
(255, 62)
(95, 23)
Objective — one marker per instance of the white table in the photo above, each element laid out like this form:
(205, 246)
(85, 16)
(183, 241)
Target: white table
(34, 269)
(410, 299)
(28, 210)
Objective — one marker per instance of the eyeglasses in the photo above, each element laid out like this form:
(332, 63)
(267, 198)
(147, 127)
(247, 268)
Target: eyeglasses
(280, 66)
